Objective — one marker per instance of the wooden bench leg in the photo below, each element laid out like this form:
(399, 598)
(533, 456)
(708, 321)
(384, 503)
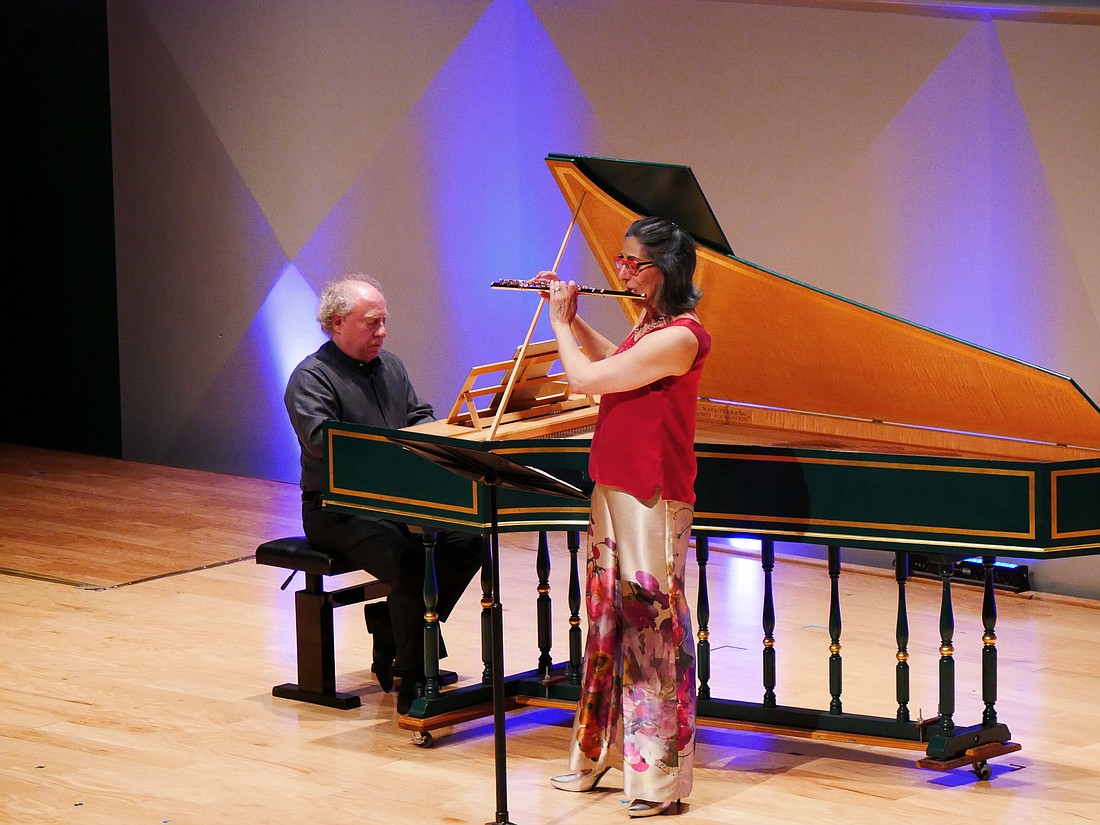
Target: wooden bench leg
(315, 642)
(316, 650)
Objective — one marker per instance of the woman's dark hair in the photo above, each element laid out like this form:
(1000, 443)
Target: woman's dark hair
(673, 250)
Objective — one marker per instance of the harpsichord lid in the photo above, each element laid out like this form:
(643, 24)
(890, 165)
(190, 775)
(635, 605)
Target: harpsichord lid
(781, 344)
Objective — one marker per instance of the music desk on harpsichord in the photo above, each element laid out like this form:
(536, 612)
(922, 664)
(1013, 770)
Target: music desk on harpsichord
(820, 421)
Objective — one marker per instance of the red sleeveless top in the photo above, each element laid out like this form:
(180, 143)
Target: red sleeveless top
(645, 438)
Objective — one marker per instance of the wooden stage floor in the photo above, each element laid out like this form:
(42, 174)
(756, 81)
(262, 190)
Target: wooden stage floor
(150, 702)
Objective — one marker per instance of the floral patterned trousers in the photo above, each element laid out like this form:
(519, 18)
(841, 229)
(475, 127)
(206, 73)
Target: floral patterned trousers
(638, 681)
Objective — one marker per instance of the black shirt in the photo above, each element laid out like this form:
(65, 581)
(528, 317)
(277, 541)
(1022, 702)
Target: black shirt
(330, 385)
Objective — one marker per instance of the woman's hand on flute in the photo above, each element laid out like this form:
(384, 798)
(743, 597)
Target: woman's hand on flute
(561, 295)
(563, 301)
(547, 277)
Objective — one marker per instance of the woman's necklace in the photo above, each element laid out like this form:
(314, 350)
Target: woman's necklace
(649, 325)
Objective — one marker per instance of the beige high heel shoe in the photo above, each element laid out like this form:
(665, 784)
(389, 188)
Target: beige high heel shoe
(643, 807)
(578, 782)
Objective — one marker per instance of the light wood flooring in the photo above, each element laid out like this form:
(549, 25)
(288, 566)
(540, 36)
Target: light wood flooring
(149, 704)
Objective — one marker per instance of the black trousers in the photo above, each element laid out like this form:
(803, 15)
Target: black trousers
(392, 553)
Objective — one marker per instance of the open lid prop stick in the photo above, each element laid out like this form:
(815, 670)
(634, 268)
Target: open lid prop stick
(531, 330)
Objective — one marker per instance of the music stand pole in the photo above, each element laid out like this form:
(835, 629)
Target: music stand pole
(482, 466)
(496, 613)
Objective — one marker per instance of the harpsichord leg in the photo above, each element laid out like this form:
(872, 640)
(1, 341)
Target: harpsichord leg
(431, 620)
(952, 746)
(486, 613)
(901, 575)
(835, 663)
(947, 652)
(573, 542)
(702, 654)
(767, 562)
(989, 647)
(542, 607)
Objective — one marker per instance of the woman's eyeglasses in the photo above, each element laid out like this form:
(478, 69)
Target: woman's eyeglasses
(630, 265)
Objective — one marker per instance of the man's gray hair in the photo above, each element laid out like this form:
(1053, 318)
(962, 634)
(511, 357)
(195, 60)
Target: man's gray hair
(337, 298)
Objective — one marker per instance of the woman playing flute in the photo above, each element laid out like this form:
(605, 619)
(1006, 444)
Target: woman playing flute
(639, 663)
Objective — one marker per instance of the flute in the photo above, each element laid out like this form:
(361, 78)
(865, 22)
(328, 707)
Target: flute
(544, 286)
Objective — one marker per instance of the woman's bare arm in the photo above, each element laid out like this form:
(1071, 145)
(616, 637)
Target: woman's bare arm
(663, 352)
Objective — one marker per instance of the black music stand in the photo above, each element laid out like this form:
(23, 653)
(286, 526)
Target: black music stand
(492, 470)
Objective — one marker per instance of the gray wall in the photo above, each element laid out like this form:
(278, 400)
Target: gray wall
(940, 167)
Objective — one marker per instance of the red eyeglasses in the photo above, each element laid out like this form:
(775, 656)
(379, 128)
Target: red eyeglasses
(630, 264)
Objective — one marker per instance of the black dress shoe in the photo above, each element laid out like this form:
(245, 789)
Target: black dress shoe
(385, 649)
(411, 689)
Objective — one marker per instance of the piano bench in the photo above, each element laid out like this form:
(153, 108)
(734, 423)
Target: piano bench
(313, 620)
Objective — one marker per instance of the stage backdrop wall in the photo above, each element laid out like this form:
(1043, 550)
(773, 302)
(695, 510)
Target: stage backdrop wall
(940, 166)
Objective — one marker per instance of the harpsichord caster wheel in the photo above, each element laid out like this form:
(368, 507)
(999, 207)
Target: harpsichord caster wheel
(982, 770)
(422, 739)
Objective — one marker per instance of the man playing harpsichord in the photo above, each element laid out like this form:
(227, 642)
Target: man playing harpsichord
(353, 380)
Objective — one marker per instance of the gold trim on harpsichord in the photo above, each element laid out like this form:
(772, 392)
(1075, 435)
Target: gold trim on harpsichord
(856, 540)
(882, 465)
(518, 511)
(868, 525)
(539, 524)
(1055, 475)
(889, 465)
(342, 491)
(800, 429)
(414, 516)
(557, 449)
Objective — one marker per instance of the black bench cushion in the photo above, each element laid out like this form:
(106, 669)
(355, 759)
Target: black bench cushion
(296, 553)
